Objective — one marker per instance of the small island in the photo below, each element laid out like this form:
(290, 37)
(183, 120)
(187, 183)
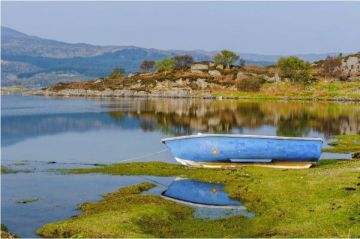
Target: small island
(335, 78)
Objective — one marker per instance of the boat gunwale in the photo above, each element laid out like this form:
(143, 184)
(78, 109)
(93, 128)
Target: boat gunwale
(240, 136)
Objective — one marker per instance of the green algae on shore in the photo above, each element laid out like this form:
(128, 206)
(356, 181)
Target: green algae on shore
(287, 203)
(5, 170)
(19, 164)
(344, 144)
(27, 200)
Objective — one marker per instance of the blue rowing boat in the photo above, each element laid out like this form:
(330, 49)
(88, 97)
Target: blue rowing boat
(232, 148)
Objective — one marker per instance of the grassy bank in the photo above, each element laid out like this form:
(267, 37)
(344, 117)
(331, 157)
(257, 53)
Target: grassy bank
(206, 85)
(320, 90)
(319, 202)
(4, 170)
(344, 144)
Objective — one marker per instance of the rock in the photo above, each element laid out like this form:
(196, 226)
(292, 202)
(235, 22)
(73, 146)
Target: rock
(146, 74)
(241, 75)
(220, 67)
(201, 83)
(136, 86)
(199, 67)
(197, 72)
(356, 155)
(180, 82)
(97, 81)
(131, 75)
(215, 73)
(277, 77)
(211, 64)
(207, 96)
(268, 79)
(351, 66)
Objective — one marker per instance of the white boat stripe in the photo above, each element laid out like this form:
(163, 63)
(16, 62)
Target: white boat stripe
(240, 136)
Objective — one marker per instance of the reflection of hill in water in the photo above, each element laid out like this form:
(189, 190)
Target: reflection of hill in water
(184, 116)
(289, 118)
(17, 128)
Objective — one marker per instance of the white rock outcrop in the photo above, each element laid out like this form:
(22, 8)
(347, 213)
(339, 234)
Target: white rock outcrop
(201, 83)
(199, 67)
(214, 73)
(351, 66)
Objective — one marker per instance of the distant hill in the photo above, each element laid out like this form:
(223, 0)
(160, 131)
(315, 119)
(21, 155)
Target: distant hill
(37, 62)
(20, 44)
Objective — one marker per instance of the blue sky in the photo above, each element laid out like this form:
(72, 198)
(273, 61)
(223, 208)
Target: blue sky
(248, 27)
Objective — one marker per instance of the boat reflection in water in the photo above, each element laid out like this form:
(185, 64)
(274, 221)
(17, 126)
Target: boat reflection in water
(209, 199)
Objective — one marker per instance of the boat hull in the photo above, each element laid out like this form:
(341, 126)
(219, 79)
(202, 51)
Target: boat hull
(242, 148)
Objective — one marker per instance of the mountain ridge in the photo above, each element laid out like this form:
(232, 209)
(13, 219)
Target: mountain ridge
(26, 59)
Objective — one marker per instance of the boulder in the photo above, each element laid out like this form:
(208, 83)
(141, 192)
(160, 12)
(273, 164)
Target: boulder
(241, 75)
(201, 83)
(351, 66)
(197, 71)
(214, 73)
(199, 67)
(277, 77)
(356, 155)
(220, 67)
(136, 86)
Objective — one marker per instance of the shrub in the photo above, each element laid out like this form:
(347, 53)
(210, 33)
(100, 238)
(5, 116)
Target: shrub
(165, 65)
(183, 62)
(147, 66)
(242, 62)
(332, 67)
(295, 69)
(250, 84)
(117, 73)
(226, 58)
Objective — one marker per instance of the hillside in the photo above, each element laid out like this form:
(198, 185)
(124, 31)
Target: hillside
(210, 80)
(36, 62)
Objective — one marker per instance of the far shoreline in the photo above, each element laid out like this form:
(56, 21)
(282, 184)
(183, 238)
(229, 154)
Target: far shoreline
(170, 95)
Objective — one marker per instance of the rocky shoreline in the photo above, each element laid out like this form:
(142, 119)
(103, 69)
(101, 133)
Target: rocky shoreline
(173, 93)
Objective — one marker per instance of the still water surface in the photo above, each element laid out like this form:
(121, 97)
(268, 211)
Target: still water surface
(76, 132)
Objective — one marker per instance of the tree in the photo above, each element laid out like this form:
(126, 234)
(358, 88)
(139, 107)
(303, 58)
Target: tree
(294, 68)
(147, 66)
(241, 62)
(226, 58)
(117, 73)
(332, 67)
(182, 62)
(167, 64)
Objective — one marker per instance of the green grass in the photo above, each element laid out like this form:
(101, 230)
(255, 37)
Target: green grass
(344, 144)
(19, 164)
(319, 90)
(5, 170)
(323, 201)
(28, 200)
